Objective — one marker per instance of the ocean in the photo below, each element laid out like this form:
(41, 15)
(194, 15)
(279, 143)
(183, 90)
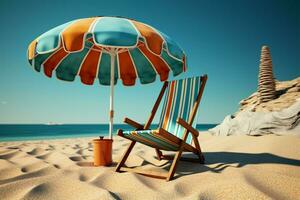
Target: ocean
(19, 132)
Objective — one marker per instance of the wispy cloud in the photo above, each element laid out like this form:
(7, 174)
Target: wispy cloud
(3, 102)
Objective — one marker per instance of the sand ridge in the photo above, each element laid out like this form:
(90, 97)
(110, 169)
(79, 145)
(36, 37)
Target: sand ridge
(237, 167)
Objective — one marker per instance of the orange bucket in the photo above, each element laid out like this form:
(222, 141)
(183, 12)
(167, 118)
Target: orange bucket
(102, 152)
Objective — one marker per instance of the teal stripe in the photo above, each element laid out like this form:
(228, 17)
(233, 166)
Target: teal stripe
(175, 65)
(68, 68)
(144, 68)
(50, 40)
(117, 32)
(104, 70)
(39, 60)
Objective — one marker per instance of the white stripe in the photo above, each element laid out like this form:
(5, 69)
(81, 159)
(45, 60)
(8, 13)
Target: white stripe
(118, 66)
(33, 63)
(98, 66)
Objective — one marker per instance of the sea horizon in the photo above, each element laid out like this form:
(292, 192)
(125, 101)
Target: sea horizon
(26, 132)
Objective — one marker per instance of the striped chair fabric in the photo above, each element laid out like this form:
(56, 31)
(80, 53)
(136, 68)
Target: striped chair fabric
(180, 97)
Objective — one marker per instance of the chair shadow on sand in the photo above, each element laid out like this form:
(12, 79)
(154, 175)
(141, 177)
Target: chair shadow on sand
(220, 161)
(224, 160)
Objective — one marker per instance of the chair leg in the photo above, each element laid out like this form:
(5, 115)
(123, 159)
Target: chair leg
(174, 164)
(202, 158)
(158, 154)
(200, 155)
(125, 156)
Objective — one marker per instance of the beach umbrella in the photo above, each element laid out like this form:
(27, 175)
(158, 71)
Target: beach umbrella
(107, 49)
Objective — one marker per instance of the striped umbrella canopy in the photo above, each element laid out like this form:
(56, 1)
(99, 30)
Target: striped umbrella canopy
(107, 49)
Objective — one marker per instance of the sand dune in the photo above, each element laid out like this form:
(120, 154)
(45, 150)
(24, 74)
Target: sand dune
(237, 167)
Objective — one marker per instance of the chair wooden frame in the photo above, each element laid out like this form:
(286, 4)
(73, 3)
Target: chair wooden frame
(181, 142)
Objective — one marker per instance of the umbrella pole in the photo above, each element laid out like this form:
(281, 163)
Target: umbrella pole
(112, 73)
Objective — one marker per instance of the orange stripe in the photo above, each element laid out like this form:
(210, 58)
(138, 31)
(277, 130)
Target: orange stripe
(31, 49)
(73, 35)
(89, 67)
(169, 104)
(127, 72)
(160, 66)
(153, 39)
(53, 61)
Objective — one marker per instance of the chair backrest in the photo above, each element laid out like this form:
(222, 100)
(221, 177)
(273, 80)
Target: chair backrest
(180, 97)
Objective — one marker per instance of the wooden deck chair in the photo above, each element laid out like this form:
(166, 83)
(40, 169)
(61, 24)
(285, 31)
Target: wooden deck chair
(176, 128)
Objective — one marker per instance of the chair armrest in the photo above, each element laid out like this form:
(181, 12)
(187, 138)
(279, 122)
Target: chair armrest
(133, 123)
(183, 123)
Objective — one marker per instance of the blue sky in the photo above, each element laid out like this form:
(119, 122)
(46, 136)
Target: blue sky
(221, 38)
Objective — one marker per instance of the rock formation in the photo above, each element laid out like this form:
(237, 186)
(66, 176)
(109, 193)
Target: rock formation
(279, 116)
(286, 92)
(266, 82)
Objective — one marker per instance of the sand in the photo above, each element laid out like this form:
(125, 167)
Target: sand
(237, 167)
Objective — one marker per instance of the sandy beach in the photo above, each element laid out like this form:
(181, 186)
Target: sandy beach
(237, 167)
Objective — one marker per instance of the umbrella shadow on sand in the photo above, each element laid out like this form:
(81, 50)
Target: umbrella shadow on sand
(222, 160)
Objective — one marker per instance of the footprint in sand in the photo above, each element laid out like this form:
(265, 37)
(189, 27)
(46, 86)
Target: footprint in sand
(37, 151)
(10, 154)
(76, 158)
(56, 166)
(13, 147)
